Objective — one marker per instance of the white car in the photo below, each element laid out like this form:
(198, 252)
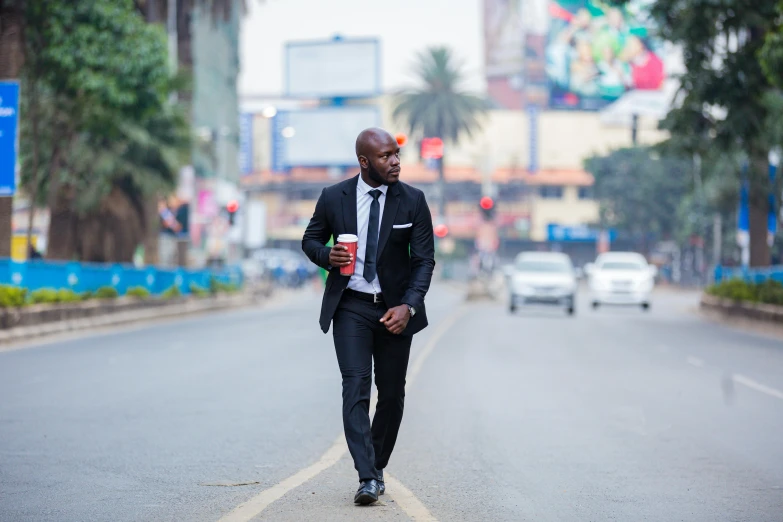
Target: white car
(621, 278)
(542, 278)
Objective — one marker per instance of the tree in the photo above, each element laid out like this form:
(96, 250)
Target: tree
(101, 134)
(11, 60)
(724, 91)
(772, 52)
(157, 11)
(440, 108)
(640, 192)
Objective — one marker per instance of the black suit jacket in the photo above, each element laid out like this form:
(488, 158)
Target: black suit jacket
(406, 256)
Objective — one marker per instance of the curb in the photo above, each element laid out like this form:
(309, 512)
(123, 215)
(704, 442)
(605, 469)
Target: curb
(181, 308)
(756, 313)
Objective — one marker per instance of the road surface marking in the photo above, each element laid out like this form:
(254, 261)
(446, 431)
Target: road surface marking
(253, 507)
(753, 385)
(695, 361)
(408, 501)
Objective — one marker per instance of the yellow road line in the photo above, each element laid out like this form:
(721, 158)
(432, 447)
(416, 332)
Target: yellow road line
(407, 500)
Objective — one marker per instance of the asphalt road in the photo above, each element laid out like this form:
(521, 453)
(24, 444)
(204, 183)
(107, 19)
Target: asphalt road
(611, 415)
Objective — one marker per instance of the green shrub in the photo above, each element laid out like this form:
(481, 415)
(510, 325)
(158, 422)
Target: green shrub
(50, 295)
(138, 291)
(216, 286)
(43, 295)
(171, 292)
(87, 294)
(66, 295)
(106, 292)
(12, 296)
(198, 291)
(769, 291)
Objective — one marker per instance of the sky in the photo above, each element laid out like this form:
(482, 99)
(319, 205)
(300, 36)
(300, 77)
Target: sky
(404, 27)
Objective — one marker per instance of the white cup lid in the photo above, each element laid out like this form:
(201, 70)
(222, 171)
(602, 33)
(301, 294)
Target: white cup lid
(347, 238)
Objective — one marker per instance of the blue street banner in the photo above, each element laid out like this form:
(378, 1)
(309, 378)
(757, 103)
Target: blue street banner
(245, 143)
(9, 124)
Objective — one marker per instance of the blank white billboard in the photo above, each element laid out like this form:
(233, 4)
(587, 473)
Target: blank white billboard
(322, 137)
(333, 68)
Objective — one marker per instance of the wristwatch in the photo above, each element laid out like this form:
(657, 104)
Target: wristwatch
(411, 310)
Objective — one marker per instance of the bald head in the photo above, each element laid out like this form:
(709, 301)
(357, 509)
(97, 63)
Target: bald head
(369, 139)
(379, 156)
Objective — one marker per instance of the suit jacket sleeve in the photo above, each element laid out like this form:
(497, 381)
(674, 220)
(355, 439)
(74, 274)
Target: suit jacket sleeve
(317, 234)
(422, 255)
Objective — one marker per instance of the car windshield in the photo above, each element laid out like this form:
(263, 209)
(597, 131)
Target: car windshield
(529, 265)
(621, 265)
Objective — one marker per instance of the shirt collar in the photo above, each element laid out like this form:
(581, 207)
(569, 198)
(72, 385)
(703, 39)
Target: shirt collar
(363, 188)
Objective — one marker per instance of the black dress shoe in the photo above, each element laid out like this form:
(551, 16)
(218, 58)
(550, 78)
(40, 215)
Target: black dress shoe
(381, 483)
(367, 493)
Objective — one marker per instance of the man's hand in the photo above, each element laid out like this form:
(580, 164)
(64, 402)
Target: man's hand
(396, 319)
(339, 256)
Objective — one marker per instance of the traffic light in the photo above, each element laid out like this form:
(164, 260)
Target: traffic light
(401, 138)
(487, 206)
(232, 207)
(441, 231)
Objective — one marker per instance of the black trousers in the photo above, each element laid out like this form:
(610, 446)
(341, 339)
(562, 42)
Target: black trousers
(360, 338)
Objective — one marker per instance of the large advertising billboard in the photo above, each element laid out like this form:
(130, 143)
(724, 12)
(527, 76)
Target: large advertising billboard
(569, 54)
(337, 68)
(596, 52)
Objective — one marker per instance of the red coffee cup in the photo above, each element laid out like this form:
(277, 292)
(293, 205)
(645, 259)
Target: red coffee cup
(350, 242)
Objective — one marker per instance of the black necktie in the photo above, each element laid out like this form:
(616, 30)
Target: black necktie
(372, 237)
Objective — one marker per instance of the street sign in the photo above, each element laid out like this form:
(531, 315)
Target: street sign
(577, 233)
(9, 123)
(431, 148)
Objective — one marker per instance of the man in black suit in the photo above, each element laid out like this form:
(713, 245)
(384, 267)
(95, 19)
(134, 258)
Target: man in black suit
(376, 311)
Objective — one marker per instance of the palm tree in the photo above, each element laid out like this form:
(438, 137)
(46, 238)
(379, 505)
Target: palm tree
(440, 108)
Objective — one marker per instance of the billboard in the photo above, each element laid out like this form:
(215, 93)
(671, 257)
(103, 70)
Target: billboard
(515, 33)
(9, 121)
(322, 137)
(595, 53)
(569, 54)
(333, 68)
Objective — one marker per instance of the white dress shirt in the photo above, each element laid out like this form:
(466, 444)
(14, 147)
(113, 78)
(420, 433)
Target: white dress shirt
(363, 201)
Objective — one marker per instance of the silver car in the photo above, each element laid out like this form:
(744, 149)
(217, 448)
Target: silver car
(546, 278)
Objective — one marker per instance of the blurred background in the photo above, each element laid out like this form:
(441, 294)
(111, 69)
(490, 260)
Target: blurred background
(205, 132)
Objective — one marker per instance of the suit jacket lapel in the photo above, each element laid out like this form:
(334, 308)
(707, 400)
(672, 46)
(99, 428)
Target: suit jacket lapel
(389, 214)
(349, 207)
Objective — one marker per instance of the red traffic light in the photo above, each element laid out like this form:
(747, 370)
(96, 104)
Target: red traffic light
(401, 138)
(232, 206)
(441, 230)
(486, 203)
(431, 148)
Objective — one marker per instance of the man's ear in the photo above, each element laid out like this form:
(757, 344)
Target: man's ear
(363, 162)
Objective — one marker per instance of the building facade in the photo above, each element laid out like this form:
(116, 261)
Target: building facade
(530, 164)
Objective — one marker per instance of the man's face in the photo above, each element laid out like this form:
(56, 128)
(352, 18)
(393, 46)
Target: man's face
(384, 161)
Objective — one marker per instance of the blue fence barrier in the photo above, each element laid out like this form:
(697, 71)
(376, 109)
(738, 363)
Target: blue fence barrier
(82, 277)
(751, 275)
